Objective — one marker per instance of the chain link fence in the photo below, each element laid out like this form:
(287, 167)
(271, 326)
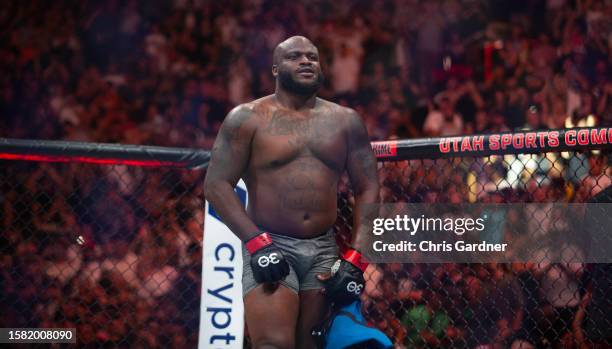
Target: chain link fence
(491, 305)
(115, 251)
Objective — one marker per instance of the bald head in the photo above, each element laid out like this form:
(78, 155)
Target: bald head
(288, 44)
(296, 66)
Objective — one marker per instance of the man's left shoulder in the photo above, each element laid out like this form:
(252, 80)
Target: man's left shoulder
(338, 110)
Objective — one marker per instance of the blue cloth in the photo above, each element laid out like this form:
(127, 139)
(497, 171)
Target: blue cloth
(350, 328)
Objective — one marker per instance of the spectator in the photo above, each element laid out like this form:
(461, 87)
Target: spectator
(599, 176)
(345, 71)
(443, 121)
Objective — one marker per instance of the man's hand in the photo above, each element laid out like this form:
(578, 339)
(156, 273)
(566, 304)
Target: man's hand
(267, 261)
(345, 282)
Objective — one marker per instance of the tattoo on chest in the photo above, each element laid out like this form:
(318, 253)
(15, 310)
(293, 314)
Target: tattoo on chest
(284, 124)
(301, 130)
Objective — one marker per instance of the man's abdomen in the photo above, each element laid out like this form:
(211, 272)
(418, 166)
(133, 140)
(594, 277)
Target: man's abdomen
(295, 203)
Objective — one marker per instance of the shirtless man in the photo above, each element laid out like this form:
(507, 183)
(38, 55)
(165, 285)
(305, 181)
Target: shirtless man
(291, 149)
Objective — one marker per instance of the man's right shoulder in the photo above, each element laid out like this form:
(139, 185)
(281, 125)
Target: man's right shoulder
(246, 111)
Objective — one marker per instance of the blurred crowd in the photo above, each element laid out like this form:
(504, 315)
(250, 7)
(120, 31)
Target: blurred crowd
(166, 74)
(129, 72)
(111, 251)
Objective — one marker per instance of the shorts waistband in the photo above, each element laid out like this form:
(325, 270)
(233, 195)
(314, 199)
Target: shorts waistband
(273, 233)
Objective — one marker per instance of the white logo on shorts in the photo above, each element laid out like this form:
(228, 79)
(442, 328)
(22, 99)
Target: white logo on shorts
(335, 267)
(264, 261)
(354, 287)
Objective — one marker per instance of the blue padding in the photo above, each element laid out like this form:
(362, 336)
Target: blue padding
(346, 331)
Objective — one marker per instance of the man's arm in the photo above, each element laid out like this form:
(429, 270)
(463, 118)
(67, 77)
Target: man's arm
(230, 157)
(345, 282)
(362, 171)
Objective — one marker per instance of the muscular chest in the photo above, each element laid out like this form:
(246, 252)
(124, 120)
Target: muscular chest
(285, 137)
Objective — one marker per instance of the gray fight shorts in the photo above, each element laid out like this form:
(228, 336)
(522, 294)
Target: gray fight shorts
(306, 257)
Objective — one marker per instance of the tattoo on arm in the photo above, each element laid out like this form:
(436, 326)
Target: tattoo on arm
(362, 172)
(230, 158)
(366, 163)
(361, 160)
(231, 150)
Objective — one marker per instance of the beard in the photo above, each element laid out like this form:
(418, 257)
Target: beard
(299, 88)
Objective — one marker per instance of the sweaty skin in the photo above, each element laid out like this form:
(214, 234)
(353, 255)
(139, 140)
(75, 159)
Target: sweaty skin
(290, 159)
(290, 148)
